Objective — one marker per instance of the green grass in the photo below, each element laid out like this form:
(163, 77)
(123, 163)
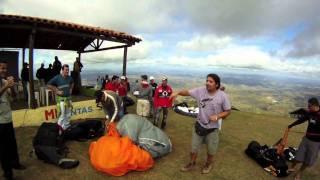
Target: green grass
(230, 161)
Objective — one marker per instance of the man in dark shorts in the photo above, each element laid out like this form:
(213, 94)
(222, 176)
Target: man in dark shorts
(309, 147)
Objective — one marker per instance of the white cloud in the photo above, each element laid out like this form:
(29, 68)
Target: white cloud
(205, 43)
(126, 15)
(244, 57)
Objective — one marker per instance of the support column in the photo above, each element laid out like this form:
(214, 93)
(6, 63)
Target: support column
(124, 67)
(31, 82)
(80, 83)
(23, 55)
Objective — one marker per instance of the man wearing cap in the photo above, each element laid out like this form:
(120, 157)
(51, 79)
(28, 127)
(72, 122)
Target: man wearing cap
(144, 95)
(62, 85)
(162, 102)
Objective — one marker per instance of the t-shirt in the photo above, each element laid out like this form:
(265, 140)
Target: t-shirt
(210, 105)
(63, 84)
(313, 130)
(5, 109)
(161, 96)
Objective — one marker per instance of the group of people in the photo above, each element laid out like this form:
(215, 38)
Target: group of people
(213, 104)
(152, 99)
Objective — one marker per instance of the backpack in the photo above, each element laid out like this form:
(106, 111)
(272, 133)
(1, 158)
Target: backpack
(268, 159)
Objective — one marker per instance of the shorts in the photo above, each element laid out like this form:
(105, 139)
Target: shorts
(308, 151)
(211, 140)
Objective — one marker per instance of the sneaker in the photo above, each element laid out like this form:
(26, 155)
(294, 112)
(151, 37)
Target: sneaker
(206, 168)
(190, 166)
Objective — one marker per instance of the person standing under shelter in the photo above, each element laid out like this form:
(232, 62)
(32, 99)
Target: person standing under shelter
(162, 102)
(41, 74)
(309, 147)
(25, 80)
(77, 66)
(56, 66)
(62, 86)
(213, 104)
(9, 156)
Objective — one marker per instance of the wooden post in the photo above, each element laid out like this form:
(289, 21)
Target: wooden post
(23, 55)
(31, 83)
(124, 67)
(79, 79)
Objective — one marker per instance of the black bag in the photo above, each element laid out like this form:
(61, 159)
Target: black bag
(201, 131)
(84, 130)
(255, 151)
(268, 159)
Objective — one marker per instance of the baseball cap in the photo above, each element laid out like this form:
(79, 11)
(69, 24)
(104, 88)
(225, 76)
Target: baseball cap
(123, 77)
(164, 78)
(151, 78)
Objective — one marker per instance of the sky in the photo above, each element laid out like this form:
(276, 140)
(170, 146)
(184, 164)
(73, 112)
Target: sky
(268, 35)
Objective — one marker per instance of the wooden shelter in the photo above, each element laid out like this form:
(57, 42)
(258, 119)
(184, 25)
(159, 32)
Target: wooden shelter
(38, 33)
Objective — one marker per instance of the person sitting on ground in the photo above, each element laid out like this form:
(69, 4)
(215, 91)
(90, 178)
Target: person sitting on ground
(162, 102)
(144, 96)
(309, 147)
(213, 104)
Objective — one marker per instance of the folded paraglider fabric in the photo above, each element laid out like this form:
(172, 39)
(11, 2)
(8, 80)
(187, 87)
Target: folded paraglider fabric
(117, 155)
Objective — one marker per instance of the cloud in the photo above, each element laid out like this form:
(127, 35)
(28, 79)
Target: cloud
(306, 44)
(205, 43)
(129, 16)
(217, 24)
(248, 57)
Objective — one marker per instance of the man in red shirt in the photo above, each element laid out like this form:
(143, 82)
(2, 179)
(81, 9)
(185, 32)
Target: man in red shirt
(162, 101)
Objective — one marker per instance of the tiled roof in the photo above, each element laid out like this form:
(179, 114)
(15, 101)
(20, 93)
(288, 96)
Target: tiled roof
(53, 29)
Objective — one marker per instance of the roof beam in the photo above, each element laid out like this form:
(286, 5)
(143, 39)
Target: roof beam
(108, 48)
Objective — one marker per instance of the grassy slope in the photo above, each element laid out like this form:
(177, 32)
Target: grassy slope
(230, 161)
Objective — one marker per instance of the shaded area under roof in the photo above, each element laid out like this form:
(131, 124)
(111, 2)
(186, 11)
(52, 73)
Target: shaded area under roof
(39, 33)
(53, 34)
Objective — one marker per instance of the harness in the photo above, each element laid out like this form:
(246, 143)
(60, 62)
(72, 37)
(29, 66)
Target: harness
(66, 103)
(106, 96)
